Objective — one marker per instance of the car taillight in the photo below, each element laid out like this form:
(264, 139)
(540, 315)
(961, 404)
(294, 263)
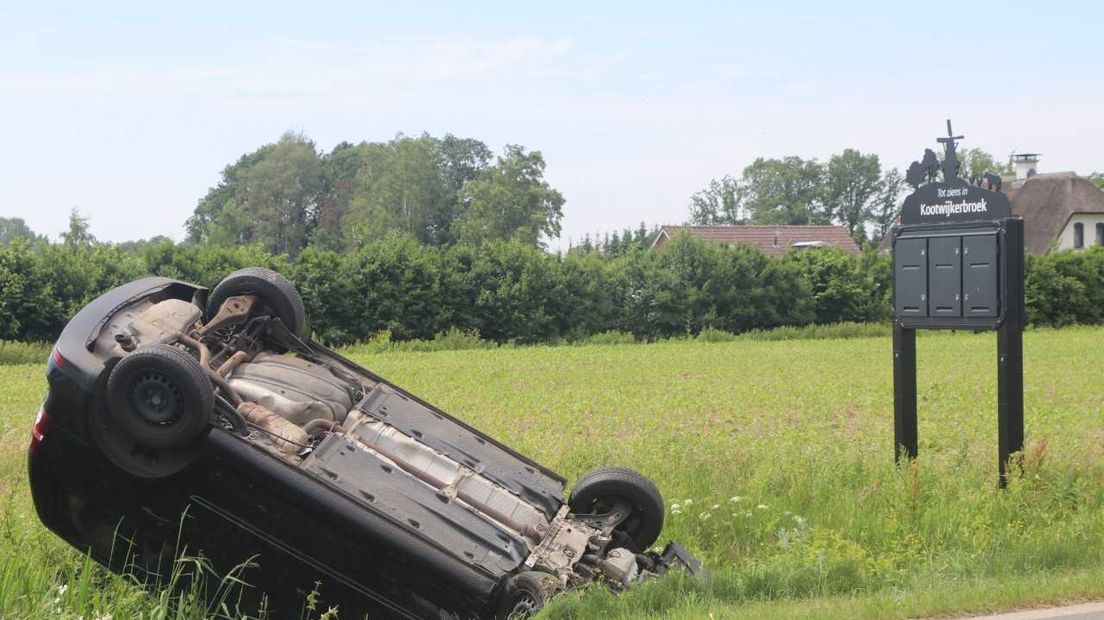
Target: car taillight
(55, 361)
(39, 429)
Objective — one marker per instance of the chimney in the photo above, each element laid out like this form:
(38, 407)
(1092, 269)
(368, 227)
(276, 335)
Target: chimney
(1026, 165)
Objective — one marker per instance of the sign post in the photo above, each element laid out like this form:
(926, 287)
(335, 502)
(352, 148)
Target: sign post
(957, 264)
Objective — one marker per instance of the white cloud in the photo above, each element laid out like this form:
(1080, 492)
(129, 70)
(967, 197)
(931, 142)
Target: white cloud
(288, 71)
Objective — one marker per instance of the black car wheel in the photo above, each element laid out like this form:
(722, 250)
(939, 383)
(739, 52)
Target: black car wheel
(159, 397)
(622, 496)
(526, 594)
(276, 294)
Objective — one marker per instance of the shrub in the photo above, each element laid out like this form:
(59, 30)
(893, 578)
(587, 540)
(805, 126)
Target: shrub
(610, 337)
(23, 352)
(822, 332)
(455, 339)
(843, 287)
(710, 334)
(1065, 287)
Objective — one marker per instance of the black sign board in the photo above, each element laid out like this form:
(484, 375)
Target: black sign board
(957, 264)
(956, 201)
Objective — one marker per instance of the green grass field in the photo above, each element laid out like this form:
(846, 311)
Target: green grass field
(775, 459)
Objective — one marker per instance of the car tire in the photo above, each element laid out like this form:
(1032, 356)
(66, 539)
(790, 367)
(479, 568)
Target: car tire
(274, 291)
(159, 397)
(527, 593)
(603, 487)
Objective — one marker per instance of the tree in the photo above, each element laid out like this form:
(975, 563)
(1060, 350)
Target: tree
(269, 197)
(77, 236)
(399, 187)
(851, 182)
(720, 203)
(785, 191)
(511, 200)
(460, 160)
(413, 185)
(887, 204)
(974, 163)
(339, 169)
(231, 227)
(12, 228)
(1098, 179)
(216, 199)
(280, 196)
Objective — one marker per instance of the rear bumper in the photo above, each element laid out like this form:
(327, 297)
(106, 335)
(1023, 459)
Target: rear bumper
(44, 489)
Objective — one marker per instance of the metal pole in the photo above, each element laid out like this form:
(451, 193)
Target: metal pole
(904, 393)
(1010, 420)
(1010, 406)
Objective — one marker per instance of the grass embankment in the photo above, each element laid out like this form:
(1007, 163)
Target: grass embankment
(784, 451)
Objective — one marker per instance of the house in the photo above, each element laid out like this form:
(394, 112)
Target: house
(1060, 210)
(772, 240)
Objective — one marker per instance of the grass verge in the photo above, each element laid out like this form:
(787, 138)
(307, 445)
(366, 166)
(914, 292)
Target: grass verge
(776, 461)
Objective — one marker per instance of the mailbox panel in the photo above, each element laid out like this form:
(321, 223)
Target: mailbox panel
(945, 277)
(910, 267)
(980, 276)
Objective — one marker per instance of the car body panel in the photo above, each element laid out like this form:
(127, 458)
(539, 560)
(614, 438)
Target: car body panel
(464, 445)
(76, 342)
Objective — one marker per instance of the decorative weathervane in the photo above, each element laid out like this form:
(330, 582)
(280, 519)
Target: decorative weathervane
(950, 156)
(927, 169)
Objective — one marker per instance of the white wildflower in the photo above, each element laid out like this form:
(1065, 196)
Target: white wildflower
(715, 506)
(762, 506)
(687, 502)
(735, 498)
(675, 507)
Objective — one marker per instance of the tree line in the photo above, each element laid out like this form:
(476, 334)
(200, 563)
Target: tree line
(510, 291)
(290, 195)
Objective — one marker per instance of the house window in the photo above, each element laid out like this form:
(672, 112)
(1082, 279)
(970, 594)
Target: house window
(1079, 235)
(1100, 233)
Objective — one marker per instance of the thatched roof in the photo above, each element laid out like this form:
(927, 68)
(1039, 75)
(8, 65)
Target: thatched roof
(773, 240)
(1047, 201)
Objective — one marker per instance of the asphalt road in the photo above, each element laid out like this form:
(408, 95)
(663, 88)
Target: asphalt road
(1083, 611)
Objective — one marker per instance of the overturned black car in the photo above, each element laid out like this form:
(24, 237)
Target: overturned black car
(227, 433)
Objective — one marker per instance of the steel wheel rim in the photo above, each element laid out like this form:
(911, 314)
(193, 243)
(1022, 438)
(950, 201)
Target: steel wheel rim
(156, 398)
(525, 605)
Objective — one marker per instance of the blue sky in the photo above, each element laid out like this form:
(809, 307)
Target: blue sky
(130, 110)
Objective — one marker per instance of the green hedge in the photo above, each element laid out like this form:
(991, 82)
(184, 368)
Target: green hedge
(508, 292)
